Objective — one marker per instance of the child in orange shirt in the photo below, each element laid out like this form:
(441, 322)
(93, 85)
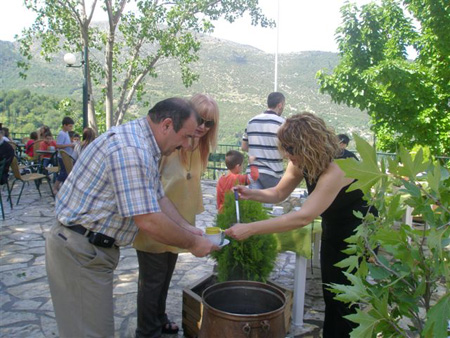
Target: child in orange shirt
(233, 161)
(46, 145)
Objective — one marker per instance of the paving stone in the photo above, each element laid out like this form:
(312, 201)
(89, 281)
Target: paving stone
(125, 304)
(48, 326)
(124, 288)
(48, 306)
(40, 260)
(126, 277)
(30, 330)
(7, 267)
(20, 236)
(26, 305)
(127, 263)
(4, 299)
(30, 291)
(13, 317)
(20, 276)
(15, 258)
(37, 243)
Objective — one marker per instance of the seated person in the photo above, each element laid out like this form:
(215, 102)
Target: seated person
(47, 144)
(233, 161)
(29, 145)
(74, 137)
(5, 133)
(6, 152)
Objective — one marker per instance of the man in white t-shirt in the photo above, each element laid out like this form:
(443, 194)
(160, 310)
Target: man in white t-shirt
(260, 140)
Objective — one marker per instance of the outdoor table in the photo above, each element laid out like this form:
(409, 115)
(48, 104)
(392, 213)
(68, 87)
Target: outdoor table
(300, 242)
(44, 152)
(50, 152)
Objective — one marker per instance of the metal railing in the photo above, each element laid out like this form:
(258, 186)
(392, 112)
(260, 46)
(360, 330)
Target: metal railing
(216, 165)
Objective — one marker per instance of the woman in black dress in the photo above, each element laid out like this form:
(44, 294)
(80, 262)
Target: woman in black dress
(312, 148)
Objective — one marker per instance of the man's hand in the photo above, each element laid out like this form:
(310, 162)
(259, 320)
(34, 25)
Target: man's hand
(193, 230)
(239, 231)
(203, 247)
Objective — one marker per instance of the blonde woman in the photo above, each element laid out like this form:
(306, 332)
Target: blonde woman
(180, 175)
(311, 148)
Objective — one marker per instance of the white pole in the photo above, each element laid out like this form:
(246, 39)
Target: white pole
(276, 50)
(299, 290)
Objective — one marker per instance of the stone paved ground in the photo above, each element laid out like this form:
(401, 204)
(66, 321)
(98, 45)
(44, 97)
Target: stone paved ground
(26, 308)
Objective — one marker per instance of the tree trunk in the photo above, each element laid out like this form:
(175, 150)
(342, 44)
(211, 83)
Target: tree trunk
(109, 103)
(113, 19)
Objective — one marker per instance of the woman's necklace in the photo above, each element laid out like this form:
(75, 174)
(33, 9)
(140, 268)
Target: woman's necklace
(188, 175)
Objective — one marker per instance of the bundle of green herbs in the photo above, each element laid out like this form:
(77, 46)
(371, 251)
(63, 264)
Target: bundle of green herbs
(252, 259)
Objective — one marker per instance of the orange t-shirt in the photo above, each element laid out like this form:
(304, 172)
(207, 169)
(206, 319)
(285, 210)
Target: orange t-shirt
(227, 182)
(44, 146)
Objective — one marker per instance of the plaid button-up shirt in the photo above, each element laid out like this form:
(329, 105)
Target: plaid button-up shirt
(115, 178)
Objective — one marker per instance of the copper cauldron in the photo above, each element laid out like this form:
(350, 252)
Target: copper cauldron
(243, 309)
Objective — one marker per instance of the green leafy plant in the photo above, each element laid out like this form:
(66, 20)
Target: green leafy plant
(251, 259)
(407, 100)
(402, 289)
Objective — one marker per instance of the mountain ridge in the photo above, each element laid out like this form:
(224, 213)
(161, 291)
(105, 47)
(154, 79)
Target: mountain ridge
(238, 76)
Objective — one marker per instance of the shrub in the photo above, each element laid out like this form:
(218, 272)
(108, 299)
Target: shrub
(251, 259)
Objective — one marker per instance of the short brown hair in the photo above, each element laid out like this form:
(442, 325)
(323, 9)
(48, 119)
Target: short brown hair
(175, 108)
(233, 158)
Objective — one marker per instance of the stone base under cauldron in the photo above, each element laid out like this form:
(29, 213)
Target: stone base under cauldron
(193, 307)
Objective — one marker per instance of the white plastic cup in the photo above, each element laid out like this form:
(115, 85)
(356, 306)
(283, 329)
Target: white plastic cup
(277, 211)
(215, 235)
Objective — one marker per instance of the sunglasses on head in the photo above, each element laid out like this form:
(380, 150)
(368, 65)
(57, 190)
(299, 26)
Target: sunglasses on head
(289, 149)
(208, 124)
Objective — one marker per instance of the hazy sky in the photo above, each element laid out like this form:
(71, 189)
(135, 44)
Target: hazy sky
(304, 25)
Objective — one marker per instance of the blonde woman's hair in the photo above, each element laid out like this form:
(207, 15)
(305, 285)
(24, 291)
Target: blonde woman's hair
(207, 109)
(307, 138)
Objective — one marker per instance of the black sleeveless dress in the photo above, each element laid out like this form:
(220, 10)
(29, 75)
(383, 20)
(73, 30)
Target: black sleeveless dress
(338, 223)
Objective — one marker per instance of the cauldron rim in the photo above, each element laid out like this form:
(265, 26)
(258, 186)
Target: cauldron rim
(255, 285)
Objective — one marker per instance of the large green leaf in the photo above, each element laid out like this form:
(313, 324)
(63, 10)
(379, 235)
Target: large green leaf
(378, 272)
(437, 318)
(365, 171)
(350, 263)
(367, 324)
(412, 166)
(350, 293)
(433, 178)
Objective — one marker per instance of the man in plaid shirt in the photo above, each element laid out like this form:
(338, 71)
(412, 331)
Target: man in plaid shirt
(113, 190)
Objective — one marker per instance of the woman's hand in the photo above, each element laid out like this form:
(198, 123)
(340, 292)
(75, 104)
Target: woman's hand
(239, 231)
(244, 192)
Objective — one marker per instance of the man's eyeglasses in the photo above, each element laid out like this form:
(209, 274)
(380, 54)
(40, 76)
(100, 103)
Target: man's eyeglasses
(208, 124)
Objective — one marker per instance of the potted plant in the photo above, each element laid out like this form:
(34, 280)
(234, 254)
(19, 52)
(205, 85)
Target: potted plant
(252, 259)
(403, 288)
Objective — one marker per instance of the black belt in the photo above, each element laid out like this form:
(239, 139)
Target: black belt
(95, 238)
(80, 229)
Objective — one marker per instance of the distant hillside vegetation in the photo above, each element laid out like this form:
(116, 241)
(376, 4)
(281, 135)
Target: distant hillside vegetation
(240, 77)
